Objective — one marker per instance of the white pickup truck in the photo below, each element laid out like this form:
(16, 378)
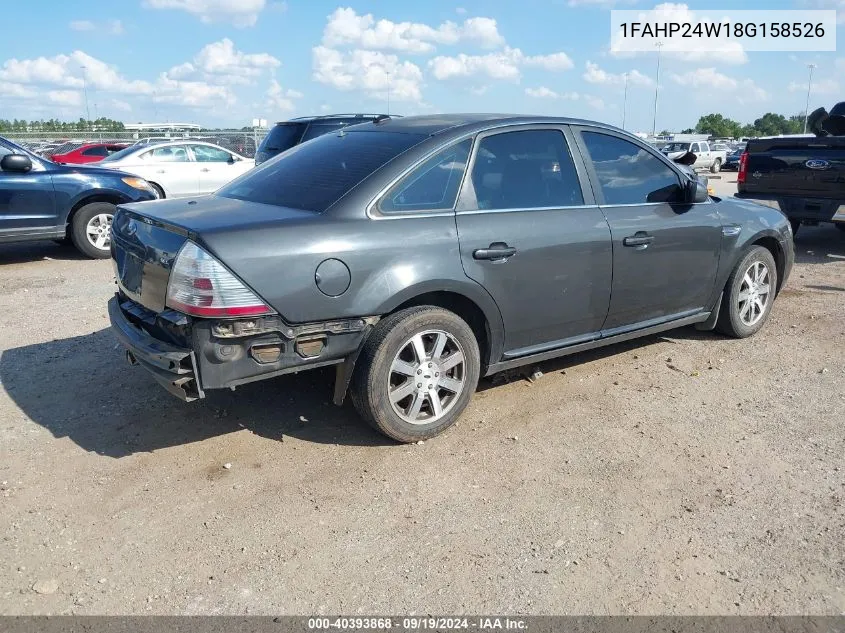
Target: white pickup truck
(705, 157)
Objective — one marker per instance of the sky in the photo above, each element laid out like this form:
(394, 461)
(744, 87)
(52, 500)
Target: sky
(223, 63)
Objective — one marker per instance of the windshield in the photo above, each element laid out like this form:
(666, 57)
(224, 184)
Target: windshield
(315, 175)
(121, 154)
(282, 137)
(676, 147)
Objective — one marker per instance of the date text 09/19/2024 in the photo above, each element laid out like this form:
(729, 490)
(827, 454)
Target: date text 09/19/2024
(417, 623)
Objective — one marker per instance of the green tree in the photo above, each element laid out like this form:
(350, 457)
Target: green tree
(717, 125)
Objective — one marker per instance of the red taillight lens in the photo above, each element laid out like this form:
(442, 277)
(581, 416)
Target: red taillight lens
(743, 168)
(201, 286)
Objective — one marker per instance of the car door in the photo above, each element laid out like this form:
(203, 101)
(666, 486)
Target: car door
(665, 251)
(216, 167)
(531, 234)
(27, 201)
(171, 167)
(705, 158)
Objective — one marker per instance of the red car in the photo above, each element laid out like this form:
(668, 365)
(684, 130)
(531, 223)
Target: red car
(88, 153)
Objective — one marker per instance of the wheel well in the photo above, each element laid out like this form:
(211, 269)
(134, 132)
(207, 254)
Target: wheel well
(773, 246)
(160, 189)
(83, 202)
(465, 308)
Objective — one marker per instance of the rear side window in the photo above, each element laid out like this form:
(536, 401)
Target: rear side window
(315, 175)
(169, 154)
(95, 151)
(529, 169)
(433, 186)
(282, 137)
(628, 174)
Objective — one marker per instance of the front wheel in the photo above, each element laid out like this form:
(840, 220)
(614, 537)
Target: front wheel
(90, 229)
(716, 167)
(416, 373)
(749, 294)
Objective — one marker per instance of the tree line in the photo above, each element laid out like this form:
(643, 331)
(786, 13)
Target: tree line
(54, 125)
(770, 124)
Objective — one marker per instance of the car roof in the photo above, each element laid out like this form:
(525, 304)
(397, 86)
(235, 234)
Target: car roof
(433, 124)
(329, 117)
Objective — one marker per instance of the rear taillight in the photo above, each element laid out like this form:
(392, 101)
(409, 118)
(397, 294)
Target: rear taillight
(201, 286)
(743, 168)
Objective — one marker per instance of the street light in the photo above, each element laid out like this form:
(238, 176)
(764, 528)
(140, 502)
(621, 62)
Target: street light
(656, 92)
(809, 86)
(85, 92)
(625, 102)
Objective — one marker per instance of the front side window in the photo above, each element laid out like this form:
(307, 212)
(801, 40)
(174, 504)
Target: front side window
(433, 186)
(169, 154)
(206, 154)
(529, 169)
(628, 174)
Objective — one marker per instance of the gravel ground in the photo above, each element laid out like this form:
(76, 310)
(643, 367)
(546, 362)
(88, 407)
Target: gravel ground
(681, 474)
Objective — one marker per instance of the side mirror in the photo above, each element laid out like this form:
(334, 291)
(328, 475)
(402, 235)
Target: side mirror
(232, 160)
(16, 162)
(687, 159)
(696, 192)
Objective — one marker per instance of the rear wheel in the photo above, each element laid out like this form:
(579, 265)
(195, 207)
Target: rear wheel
(417, 373)
(749, 294)
(91, 229)
(716, 167)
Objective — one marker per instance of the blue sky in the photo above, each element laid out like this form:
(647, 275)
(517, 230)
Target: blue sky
(225, 62)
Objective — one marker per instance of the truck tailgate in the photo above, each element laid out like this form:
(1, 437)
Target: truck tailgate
(809, 166)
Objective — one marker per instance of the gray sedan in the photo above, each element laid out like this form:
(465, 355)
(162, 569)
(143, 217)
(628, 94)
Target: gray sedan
(417, 255)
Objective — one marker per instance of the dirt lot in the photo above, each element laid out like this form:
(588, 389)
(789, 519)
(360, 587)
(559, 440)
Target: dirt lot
(680, 474)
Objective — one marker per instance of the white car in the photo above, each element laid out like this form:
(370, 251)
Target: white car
(705, 157)
(179, 169)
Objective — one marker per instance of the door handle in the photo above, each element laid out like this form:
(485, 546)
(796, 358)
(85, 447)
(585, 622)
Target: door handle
(640, 240)
(205, 169)
(161, 171)
(496, 251)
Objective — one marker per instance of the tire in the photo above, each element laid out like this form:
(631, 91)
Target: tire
(716, 167)
(94, 214)
(734, 317)
(390, 345)
(159, 190)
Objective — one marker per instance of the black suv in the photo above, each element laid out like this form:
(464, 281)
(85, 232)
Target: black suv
(287, 134)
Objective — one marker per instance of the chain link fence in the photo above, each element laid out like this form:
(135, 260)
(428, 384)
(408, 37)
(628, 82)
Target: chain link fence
(243, 142)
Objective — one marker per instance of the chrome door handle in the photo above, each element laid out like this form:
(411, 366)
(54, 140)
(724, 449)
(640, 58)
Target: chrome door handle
(205, 169)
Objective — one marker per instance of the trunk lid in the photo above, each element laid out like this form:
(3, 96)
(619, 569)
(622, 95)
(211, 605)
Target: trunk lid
(808, 166)
(146, 237)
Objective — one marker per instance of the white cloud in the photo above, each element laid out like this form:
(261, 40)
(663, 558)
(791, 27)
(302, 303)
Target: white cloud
(345, 27)
(121, 106)
(82, 25)
(281, 99)
(65, 97)
(192, 93)
(460, 11)
(711, 79)
(367, 71)
(503, 65)
(240, 13)
(595, 75)
(547, 93)
(820, 87)
(17, 91)
(595, 102)
(221, 62)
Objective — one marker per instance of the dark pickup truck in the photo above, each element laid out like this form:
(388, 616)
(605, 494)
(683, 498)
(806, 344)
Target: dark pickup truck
(804, 177)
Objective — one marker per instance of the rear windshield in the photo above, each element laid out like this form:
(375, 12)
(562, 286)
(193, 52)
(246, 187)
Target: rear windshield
(282, 137)
(315, 175)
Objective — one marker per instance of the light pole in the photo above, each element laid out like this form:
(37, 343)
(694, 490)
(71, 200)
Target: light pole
(809, 87)
(656, 92)
(625, 102)
(85, 92)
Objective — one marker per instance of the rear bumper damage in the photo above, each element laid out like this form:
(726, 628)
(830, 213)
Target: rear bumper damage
(188, 356)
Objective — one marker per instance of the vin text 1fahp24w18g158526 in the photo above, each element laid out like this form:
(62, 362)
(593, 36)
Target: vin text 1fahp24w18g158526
(419, 254)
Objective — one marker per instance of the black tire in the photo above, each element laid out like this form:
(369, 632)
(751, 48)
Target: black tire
(795, 224)
(159, 190)
(79, 226)
(730, 321)
(716, 167)
(371, 381)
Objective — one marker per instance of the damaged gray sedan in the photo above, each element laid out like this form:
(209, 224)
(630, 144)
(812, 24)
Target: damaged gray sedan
(419, 254)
